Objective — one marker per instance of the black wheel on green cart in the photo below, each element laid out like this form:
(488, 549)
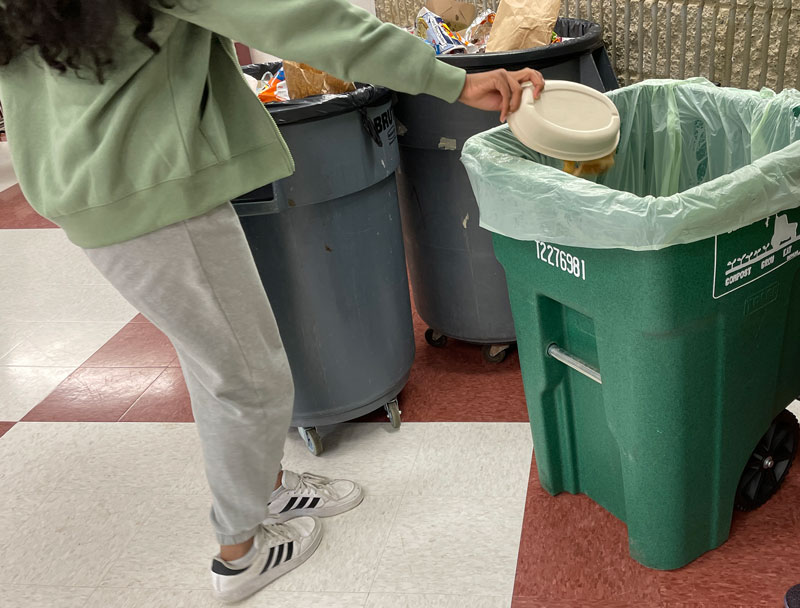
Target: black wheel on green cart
(770, 462)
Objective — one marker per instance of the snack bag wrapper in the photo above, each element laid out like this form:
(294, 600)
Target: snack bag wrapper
(273, 88)
(433, 30)
(477, 34)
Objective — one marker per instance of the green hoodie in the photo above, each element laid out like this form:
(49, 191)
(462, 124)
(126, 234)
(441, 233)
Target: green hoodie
(171, 135)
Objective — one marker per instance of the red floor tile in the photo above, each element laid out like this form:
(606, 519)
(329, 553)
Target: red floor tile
(175, 362)
(140, 318)
(166, 400)
(136, 345)
(455, 384)
(572, 549)
(735, 574)
(574, 552)
(5, 427)
(529, 602)
(710, 604)
(94, 395)
(15, 212)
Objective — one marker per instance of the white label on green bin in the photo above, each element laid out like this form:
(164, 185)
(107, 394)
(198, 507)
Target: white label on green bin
(750, 253)
(558, 258)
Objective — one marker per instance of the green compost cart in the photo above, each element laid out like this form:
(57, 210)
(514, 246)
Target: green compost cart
(658, 309)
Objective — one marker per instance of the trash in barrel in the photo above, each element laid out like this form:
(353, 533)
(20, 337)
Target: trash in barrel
(459, 287)
(329, 248)
(657, 308)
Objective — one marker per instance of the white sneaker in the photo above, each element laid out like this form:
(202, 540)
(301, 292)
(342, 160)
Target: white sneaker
(314, 495)
(280, 548)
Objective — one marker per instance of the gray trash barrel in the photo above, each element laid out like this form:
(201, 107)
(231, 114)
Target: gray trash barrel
(458, 285)
(329, 248)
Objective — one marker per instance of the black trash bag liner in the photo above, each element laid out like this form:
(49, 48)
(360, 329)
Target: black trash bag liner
(319, 106)
(587, 37)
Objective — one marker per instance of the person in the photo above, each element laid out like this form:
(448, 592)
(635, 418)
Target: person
(131, 125)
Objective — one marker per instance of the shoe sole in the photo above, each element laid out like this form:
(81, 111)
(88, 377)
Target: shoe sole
(282, 518)
(257, 584)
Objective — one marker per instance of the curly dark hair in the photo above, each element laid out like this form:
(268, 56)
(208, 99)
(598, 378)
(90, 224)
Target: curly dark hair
(71, 34)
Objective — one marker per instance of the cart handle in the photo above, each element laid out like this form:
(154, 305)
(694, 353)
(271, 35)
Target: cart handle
(559, 354)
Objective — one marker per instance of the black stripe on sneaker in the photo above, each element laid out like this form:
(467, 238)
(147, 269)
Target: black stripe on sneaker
(269, 560)
(217, 567)
(280, 556)
(289, 504)
(303, 502)
(313, 503)
(289, 551)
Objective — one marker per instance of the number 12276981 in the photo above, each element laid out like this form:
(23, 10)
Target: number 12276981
(558, 258)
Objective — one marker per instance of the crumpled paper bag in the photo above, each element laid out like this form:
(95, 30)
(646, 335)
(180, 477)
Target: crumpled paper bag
(304, 81)
(523, 24)
(457, 15)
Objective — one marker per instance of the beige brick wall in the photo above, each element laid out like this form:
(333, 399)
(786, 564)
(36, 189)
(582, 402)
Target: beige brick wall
(744, 43)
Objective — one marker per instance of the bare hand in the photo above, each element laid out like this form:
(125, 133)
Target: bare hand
(499, 90)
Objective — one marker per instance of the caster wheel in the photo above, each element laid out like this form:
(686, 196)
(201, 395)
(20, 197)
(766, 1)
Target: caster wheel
(435, 339)
(495, 353)
(771, 460)
(393, 411)
(312, 439)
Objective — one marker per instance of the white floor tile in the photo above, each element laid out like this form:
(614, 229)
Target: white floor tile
(121, 458)
(374, 455)
(472, 460)
(288, 599)
(16, 509)
(41, 302)
(166, 598)
(12, 241)
(394, 600)
(57, 344)
(38, 241)
(23, 388)
(150, 598)
(23, 596)
(54, 282)
(11, 336)
(70, 539)
(120, 491)
(172, 549)
(32, 457)
(347, 560)
(148, 458)
(444, 545)
(194, 479)
(55, 261)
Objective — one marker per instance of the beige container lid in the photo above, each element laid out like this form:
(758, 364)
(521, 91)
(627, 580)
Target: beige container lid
(569, 121)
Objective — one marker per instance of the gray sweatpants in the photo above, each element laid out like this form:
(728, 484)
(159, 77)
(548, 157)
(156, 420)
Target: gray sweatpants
(198, 283)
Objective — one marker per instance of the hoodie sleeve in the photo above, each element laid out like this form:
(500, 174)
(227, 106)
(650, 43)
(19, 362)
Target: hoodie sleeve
(331, 35)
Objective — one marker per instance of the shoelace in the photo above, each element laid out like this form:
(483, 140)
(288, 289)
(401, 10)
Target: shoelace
(277, 534)
(310, 483)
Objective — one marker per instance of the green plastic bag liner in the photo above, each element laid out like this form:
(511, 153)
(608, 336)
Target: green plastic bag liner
(694, 161)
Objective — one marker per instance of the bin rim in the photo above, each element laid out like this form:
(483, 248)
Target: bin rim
(319, 107)
(591, 40)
